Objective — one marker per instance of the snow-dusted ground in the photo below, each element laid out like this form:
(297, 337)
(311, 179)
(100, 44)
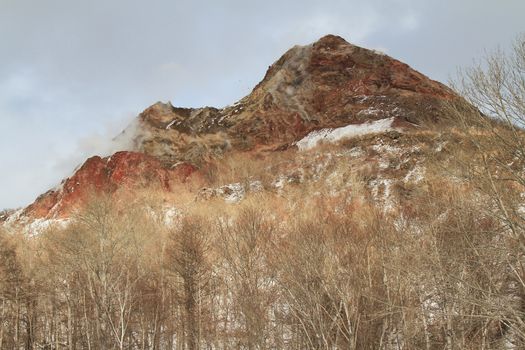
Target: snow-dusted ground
(232, 193)
(171, 124)
(332, 135)
(415, 175)
(33, 227)
(39, 226)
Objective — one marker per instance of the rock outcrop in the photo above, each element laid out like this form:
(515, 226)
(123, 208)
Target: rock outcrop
(328, 84)
(123, 170)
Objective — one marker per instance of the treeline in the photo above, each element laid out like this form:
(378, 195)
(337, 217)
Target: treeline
(448, 276)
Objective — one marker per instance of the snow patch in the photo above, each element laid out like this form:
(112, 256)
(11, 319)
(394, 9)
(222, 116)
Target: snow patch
(332, 135)
(356, 152)
(440, 146)
(13, 217)
(369, 111)
(232, 193)
(415, 175)
(170, 216)
(39, 226)
(381, 189)
(280, 182)
(383, 163)
(32, 227)
(171, 124)
(255, 186)
(386, 149)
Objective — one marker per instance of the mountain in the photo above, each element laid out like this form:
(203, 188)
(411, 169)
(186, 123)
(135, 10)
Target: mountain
(348, 202)
(327, 91)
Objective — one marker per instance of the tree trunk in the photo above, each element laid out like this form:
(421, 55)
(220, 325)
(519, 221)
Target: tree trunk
(70, 342)
(2, 319)
(17, 320)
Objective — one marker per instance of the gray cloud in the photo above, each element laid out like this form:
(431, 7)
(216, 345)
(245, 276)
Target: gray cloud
(73, 72)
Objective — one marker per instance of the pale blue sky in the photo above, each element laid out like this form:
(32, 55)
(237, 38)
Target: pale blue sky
(73, 73)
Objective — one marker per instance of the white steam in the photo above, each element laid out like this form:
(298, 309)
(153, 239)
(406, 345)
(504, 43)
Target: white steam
(283, 85)
(101, 144)
(107, 143)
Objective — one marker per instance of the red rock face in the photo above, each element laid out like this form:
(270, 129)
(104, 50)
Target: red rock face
(328, 84)
(123, 170)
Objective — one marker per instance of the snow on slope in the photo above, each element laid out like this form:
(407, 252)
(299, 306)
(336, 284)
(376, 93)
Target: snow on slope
(332, 135)
(33, 227)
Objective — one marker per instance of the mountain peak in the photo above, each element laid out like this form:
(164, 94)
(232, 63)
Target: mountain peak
(331, 41)
(328, 85)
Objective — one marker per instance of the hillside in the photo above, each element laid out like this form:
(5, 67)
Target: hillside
(347, 202)
(324, 91)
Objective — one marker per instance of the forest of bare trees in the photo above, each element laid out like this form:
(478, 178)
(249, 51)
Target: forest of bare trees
(118, 279)
(450, 275)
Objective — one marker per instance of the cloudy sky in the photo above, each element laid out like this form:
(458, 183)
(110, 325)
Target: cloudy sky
(74, 72)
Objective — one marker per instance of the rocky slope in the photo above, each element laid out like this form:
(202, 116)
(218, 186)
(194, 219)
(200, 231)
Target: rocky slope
(329, 90)
(330, 83)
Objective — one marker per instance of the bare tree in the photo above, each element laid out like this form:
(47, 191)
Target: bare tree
(496, 87)
(187, 257)
(11, 283)
(245, 245)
